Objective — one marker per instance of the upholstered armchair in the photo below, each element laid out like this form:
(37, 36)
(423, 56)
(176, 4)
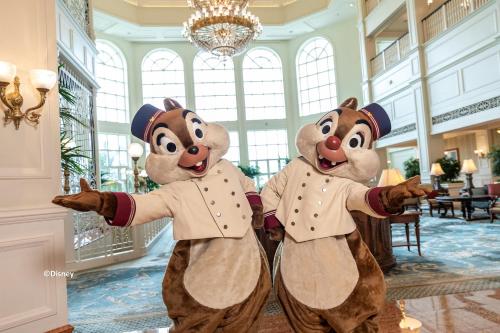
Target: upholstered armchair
(434, 204)
(494, 191)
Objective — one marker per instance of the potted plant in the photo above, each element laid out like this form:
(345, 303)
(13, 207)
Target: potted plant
(494, 156)
(249, 171)
(451, 169)
(411, 167)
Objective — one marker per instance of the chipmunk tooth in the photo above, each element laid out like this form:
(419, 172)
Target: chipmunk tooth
(320, 157)
(198, 164)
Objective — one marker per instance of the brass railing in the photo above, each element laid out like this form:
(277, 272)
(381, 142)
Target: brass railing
(447, 15)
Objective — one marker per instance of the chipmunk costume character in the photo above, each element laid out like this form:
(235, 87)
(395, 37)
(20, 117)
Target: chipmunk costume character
(325, 276)
(218, 278)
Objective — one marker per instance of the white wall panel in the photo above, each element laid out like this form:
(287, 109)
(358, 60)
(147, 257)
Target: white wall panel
(444, 88)
(481, 73)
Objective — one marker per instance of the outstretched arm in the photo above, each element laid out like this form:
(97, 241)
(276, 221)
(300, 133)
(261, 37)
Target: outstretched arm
(271, 196)
(119, 208)
(383, 201)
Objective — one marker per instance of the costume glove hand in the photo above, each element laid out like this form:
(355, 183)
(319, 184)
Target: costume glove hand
(393, 196)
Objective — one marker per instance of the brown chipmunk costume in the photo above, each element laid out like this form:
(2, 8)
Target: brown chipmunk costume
(325, 276)
(217, 279)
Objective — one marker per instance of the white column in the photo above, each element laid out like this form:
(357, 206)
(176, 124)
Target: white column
(31, 227)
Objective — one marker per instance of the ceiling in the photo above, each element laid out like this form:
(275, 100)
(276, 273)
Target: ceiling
(161, 20)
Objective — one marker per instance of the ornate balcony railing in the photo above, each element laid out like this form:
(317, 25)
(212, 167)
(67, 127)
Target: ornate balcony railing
(391, 55)
(447, 15)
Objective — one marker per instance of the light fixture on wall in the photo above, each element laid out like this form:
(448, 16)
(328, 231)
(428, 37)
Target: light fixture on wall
(135, 150)
(468, 167)
(480, 153)
(43, 80)
(221, 27)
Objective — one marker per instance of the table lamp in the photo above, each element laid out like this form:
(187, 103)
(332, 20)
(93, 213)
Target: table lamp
(468, 167)
(390, 177)
(437, 172)
(408, 324)
(135, 150)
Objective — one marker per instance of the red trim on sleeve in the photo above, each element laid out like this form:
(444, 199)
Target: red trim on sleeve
(125, 210)
(253, 198)
(372, 198)
(270, 220)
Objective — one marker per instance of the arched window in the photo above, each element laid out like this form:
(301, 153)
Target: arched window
(214, 88)
(316, 77)
(163, 76)
(263, 84)
(111, 74)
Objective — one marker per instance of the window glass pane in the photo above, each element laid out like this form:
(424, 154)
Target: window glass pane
(111, 75)
(267, 149)
(114, 161)
(162, 77)
(263, 84)
(214, 88)
(316, 77)
(233, 154)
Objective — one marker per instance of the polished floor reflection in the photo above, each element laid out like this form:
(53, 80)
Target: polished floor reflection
(474, 312)
(477, 312)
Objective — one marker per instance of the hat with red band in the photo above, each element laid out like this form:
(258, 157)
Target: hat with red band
(381, 124)
(142, 124)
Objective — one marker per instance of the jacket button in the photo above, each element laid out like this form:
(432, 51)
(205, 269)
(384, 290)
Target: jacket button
(323, 189)
(296, 210)
(225, 180)
(218, 214)
(225, 226)
(205, 189)
(212, 202)
(233, 193)
(327, 180)
(303, 184)
(312, 228)
(238, 205)
(319, 203)
(300, 197)
(243, 217)
(315, 215)
(293, 223)
(308, 174)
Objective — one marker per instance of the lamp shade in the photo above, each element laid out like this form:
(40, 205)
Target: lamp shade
(7, 71)
(468, 167)
(43, 79)
(436, 169)
(390, 177)
(135, 149)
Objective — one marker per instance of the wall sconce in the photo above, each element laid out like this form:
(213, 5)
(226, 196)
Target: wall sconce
(480, 153)
(43, 80)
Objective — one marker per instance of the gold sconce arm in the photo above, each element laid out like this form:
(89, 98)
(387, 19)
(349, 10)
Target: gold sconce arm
(14, 101)
(32, 116)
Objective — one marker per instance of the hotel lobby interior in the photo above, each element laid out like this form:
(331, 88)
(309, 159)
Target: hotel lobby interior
(74, 73)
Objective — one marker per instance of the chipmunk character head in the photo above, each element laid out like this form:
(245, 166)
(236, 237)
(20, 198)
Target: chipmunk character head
(183, 146)
(341, 142)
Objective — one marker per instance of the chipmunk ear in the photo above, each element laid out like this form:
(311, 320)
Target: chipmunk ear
(171, 104)
(351, 103)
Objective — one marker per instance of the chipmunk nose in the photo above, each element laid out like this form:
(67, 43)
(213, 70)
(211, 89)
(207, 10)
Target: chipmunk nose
(193, 150)
(333, 143)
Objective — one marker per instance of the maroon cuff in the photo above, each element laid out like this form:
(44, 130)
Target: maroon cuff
(270, 220)
(125, 210)
(253, 198)
(372, 198)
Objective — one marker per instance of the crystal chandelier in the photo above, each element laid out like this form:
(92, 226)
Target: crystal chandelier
(221, 27)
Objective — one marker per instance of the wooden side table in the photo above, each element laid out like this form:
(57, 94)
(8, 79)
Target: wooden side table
(406, 218)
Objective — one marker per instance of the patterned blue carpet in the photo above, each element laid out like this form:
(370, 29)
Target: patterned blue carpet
(457, 255)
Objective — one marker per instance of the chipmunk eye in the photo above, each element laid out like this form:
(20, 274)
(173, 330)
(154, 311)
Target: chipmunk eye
(326, 127)
(197, 130)
(356, 140)
(165, 142)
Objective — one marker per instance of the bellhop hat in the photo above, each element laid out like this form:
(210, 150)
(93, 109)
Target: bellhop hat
(379, 119)
(143, 121)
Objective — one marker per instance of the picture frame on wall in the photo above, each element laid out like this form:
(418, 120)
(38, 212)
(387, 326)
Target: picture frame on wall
(452, 153)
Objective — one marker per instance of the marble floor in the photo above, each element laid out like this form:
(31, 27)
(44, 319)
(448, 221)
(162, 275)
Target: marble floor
(477, 312)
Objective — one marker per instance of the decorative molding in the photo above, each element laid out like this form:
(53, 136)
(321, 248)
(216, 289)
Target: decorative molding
(44, 214)
(401, 130)
(468, 110)
(43, 244)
